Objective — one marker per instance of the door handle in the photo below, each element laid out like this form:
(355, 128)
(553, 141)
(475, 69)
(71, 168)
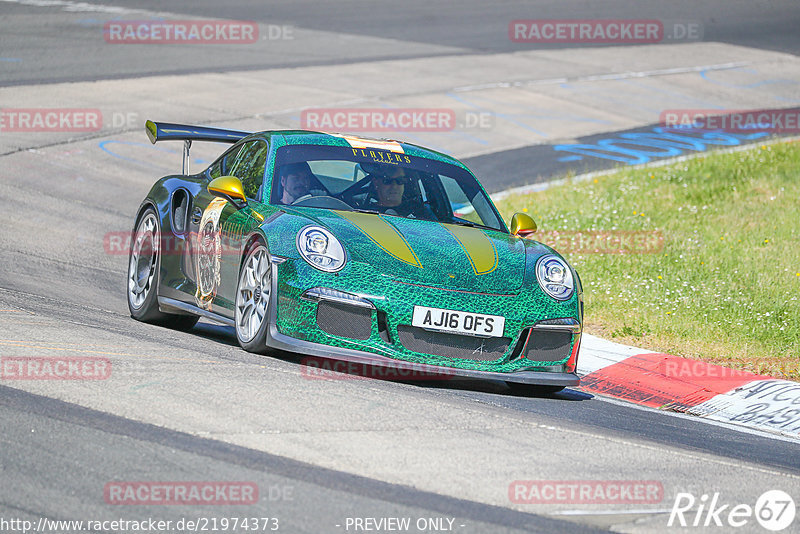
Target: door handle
(197, 216)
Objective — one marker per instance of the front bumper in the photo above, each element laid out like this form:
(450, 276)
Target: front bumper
(280, 341)
(294, 327)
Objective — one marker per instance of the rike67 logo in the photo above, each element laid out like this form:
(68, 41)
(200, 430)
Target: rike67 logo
(774, 510)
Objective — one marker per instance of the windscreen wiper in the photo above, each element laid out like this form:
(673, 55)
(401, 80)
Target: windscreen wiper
(464, 222)
(365, 210)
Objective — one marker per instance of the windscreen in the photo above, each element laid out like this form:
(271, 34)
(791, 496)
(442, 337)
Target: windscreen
(380, 181)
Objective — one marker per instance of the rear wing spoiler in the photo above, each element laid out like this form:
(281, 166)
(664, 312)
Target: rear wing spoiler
(165, 131)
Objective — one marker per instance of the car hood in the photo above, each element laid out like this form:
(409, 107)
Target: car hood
(429, 253)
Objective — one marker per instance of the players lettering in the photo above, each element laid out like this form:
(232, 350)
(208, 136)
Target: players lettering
(382, 157)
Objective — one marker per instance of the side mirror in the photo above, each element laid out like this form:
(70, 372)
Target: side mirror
(522, 225)
(229, 188)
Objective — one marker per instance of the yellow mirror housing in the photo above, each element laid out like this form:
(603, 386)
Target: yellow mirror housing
(227, 187)
(522, 224)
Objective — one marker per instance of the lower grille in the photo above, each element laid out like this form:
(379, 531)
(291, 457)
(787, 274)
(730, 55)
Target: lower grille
(548, 346)
(344, 320)
(452, 345)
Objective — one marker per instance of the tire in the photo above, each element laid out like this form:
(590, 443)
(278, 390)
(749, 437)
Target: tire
(144, 265)
(531, 390)
(253, 292)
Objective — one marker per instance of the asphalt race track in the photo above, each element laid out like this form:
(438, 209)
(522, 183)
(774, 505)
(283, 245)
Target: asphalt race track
(341, 453)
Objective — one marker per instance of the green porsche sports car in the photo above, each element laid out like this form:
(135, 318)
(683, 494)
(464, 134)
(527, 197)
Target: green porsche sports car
(359, 250)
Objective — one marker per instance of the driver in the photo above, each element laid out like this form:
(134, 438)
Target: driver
(295, 179)
(389, 188)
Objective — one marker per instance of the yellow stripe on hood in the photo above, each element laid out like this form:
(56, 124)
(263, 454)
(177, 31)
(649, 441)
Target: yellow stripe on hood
(383, 234)
(479, 248)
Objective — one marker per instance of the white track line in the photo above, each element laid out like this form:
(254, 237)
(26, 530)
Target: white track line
(600, 77)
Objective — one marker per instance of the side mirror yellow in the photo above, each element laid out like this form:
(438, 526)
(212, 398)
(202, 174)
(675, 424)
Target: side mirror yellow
(228, 187)
(522, 225)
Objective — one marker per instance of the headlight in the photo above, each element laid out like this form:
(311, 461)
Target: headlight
(320, 249)
(555, 277)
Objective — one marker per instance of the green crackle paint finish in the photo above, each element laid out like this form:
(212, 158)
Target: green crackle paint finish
(297, 318)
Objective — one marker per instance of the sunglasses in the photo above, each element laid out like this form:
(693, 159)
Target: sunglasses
(400, 180)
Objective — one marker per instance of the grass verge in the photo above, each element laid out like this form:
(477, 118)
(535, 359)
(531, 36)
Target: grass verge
(699, 259)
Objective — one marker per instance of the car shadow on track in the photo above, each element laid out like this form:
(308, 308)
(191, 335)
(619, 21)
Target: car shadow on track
(498, 387)
(216, 332)
(331, 369)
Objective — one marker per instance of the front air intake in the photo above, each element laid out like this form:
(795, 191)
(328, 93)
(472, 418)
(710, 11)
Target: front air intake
(548, 345)
(344, 320)
(452, 345)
